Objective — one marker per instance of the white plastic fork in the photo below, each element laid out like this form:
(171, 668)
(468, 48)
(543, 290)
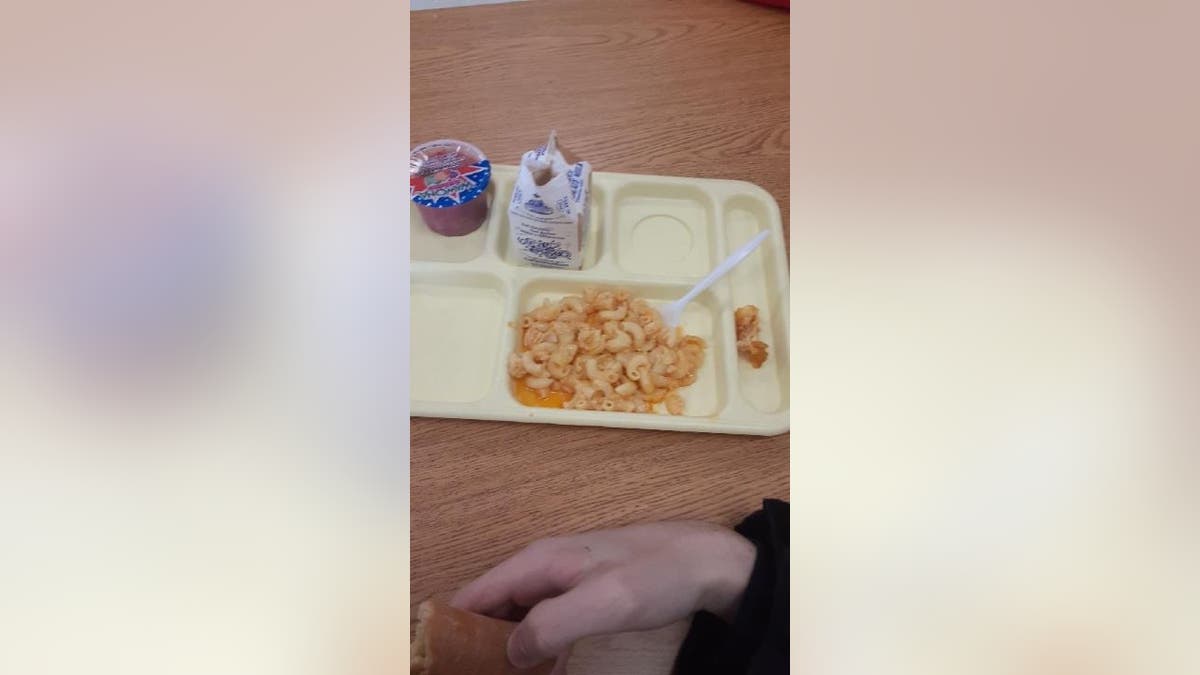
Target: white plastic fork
(673, 312)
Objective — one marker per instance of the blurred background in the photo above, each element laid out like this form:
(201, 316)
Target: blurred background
(995, 266)
(203, 352)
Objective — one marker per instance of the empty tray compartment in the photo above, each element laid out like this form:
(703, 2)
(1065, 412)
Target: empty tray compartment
(666, 229)
(457, 326)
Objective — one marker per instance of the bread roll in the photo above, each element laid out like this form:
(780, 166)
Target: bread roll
(451, 641)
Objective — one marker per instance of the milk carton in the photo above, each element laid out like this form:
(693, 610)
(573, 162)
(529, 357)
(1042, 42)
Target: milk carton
(548, 213)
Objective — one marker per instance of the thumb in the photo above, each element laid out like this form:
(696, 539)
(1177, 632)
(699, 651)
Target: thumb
(526, 646)
(560, 663)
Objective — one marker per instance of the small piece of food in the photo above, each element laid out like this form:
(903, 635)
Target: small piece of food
(603, 350)
(448, 182)
(748, 344)
(451, 641)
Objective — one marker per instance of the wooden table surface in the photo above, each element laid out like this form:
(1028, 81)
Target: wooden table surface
(696, 88)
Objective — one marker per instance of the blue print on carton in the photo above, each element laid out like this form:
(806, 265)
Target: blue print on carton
(574, 175)
(536, 205)
(543, 249)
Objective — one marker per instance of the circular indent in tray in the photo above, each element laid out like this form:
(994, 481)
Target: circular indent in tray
(666, 236)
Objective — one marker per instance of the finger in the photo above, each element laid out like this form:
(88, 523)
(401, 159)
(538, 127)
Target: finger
(598, 606)
(542, 570)
(560, 666)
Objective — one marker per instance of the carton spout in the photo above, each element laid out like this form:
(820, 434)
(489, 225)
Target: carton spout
(543, 175)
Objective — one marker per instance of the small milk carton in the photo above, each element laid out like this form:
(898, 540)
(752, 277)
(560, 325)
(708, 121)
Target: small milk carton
(548, 214)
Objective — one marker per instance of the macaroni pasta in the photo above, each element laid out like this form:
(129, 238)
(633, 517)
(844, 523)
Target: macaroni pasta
(605, 350)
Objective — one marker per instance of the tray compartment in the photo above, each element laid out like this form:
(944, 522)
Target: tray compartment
(706, 397)
(758, 281)
(665, 229)
(457, 326)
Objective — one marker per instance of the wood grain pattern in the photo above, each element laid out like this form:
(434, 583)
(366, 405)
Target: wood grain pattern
(672, 88)
(697, 88)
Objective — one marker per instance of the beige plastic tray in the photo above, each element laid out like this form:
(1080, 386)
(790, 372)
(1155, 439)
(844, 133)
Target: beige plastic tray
(653, 235)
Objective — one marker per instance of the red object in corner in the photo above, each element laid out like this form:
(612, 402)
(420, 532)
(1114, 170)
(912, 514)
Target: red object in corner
(783, 4)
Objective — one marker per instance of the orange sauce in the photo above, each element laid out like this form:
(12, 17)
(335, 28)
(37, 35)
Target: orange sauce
(531, 397)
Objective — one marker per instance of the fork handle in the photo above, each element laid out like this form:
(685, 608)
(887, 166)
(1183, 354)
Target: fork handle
(723, 268)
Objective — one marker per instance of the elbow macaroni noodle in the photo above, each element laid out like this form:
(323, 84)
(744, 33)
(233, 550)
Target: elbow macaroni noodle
(605, 350)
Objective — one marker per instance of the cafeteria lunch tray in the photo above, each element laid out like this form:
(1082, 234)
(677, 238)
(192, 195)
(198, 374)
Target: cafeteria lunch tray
(653, 235)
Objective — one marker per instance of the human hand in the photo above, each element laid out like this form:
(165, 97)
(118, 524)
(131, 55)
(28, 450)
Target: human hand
(611, 581)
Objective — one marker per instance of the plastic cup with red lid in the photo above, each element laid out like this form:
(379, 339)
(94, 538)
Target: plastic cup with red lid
(448, 182)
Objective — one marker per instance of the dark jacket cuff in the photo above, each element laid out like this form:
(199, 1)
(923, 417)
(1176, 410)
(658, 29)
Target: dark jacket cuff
(756, 643)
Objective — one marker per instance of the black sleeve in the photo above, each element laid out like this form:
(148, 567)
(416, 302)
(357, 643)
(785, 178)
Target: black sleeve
(757, 641)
